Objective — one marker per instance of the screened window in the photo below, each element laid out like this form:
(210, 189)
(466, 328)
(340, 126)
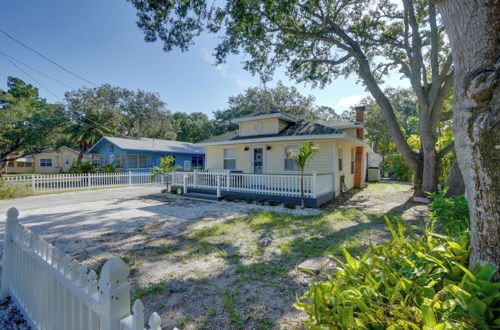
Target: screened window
(119, 161)
(45, 162)
(352, 160)
(24, 164)
(138, 161)
(290, 164)
(197, 162)
(229, 158)
(339, 155)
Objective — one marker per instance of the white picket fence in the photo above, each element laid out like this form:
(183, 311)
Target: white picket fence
(55, 292)
(61, 182)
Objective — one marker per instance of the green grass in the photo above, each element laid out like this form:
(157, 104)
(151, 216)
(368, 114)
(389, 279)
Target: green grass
(151, 289)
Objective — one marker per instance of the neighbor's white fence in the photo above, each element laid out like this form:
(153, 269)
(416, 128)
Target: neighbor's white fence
(60, 182)
(54, 291)
(269, 184)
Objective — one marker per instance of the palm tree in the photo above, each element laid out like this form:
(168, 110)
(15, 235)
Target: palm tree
(167, 166)
(305, 153)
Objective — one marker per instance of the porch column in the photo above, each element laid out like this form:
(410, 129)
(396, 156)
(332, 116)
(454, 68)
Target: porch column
(218, 186)
(315, 185)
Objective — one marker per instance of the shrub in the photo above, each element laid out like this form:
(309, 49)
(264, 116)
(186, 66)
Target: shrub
(262, 202)
(14, 190)
(229, 198)
(110, 168)
(83, 167)
(406, 284)
(249, 200)
(274, 203)
(451, 212)
(290, 205)
(398, 168)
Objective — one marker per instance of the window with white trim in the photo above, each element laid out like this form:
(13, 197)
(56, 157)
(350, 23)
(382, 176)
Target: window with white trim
(352, 160)
(137, 161)
(290, 163)
(229, 158)
(45, 162)
(67, 161)
(339, 156)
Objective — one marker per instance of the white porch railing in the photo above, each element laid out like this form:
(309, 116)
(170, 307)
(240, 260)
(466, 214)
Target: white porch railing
(54, 291)
(268, 184)
(61, 182)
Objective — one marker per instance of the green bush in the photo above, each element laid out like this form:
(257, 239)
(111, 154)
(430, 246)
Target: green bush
(290, 205)
(83, 167)
(110, 168)
(14, 190)
(451, 212)
(274, 203)
(406, 284)
(398, 167)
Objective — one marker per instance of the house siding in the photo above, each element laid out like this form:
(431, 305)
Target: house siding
(153, 157)
(269, 126)
(324, 162)
(58, 161)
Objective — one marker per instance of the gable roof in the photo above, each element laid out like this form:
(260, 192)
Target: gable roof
(269, 115)
(301, 128)
(147, 144)
(49, 150)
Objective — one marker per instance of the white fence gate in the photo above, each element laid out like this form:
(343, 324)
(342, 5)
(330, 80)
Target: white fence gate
(55, 292)
(61, 182)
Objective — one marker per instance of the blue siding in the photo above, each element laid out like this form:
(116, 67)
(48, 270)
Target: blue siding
(106, 148)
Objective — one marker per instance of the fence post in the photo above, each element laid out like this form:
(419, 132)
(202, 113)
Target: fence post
(195, 178)
(89, 180)
(114, 293)
(8, 250)
(218, 186)
(228, 185)
(315, 185)
(33, 183)
(184, 184)
(129, 178)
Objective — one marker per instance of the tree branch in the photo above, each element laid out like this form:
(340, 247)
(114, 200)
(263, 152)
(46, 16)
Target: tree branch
(446, 150)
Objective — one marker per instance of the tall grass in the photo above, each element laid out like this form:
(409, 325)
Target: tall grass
(14, 190)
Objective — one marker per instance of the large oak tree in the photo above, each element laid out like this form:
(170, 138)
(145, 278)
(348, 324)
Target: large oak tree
(473, 28)
(319, 40)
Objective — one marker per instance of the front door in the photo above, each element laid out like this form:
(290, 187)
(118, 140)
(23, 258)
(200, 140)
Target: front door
(258, 160)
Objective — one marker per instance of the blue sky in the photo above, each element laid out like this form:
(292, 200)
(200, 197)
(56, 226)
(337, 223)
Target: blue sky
(99, 40)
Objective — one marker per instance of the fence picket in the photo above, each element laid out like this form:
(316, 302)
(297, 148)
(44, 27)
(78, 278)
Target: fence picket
(54, 291)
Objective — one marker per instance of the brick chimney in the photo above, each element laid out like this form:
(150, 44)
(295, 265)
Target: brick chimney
(360, 117)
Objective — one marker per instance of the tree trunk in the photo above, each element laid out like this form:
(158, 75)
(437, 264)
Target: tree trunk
(83, 147)
(302, 204)
(473, 29)
(418, 177)
(455, 182)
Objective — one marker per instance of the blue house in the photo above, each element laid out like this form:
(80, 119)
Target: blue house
(142, 154)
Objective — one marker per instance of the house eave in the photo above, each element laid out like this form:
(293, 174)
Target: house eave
(275, 139)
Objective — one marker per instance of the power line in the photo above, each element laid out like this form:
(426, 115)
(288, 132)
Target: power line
(32, 68)
(30, 76)
(45, 57)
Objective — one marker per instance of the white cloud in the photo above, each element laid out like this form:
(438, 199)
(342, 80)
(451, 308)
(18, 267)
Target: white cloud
(206, 56)
(348, 101)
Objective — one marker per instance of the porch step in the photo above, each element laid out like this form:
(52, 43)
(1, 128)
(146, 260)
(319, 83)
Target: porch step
(205, 196)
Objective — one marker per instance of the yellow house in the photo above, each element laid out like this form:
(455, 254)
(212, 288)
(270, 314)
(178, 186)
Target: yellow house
(49, 161)
(254, 160)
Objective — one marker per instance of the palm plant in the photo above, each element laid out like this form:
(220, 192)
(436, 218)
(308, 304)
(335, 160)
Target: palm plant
(305, 153)
(167, 166)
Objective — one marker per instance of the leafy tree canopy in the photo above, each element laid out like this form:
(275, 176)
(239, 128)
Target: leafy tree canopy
(27, 121)
(265, 100)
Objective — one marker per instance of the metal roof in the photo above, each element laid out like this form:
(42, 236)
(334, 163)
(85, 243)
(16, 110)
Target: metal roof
(147, 144)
